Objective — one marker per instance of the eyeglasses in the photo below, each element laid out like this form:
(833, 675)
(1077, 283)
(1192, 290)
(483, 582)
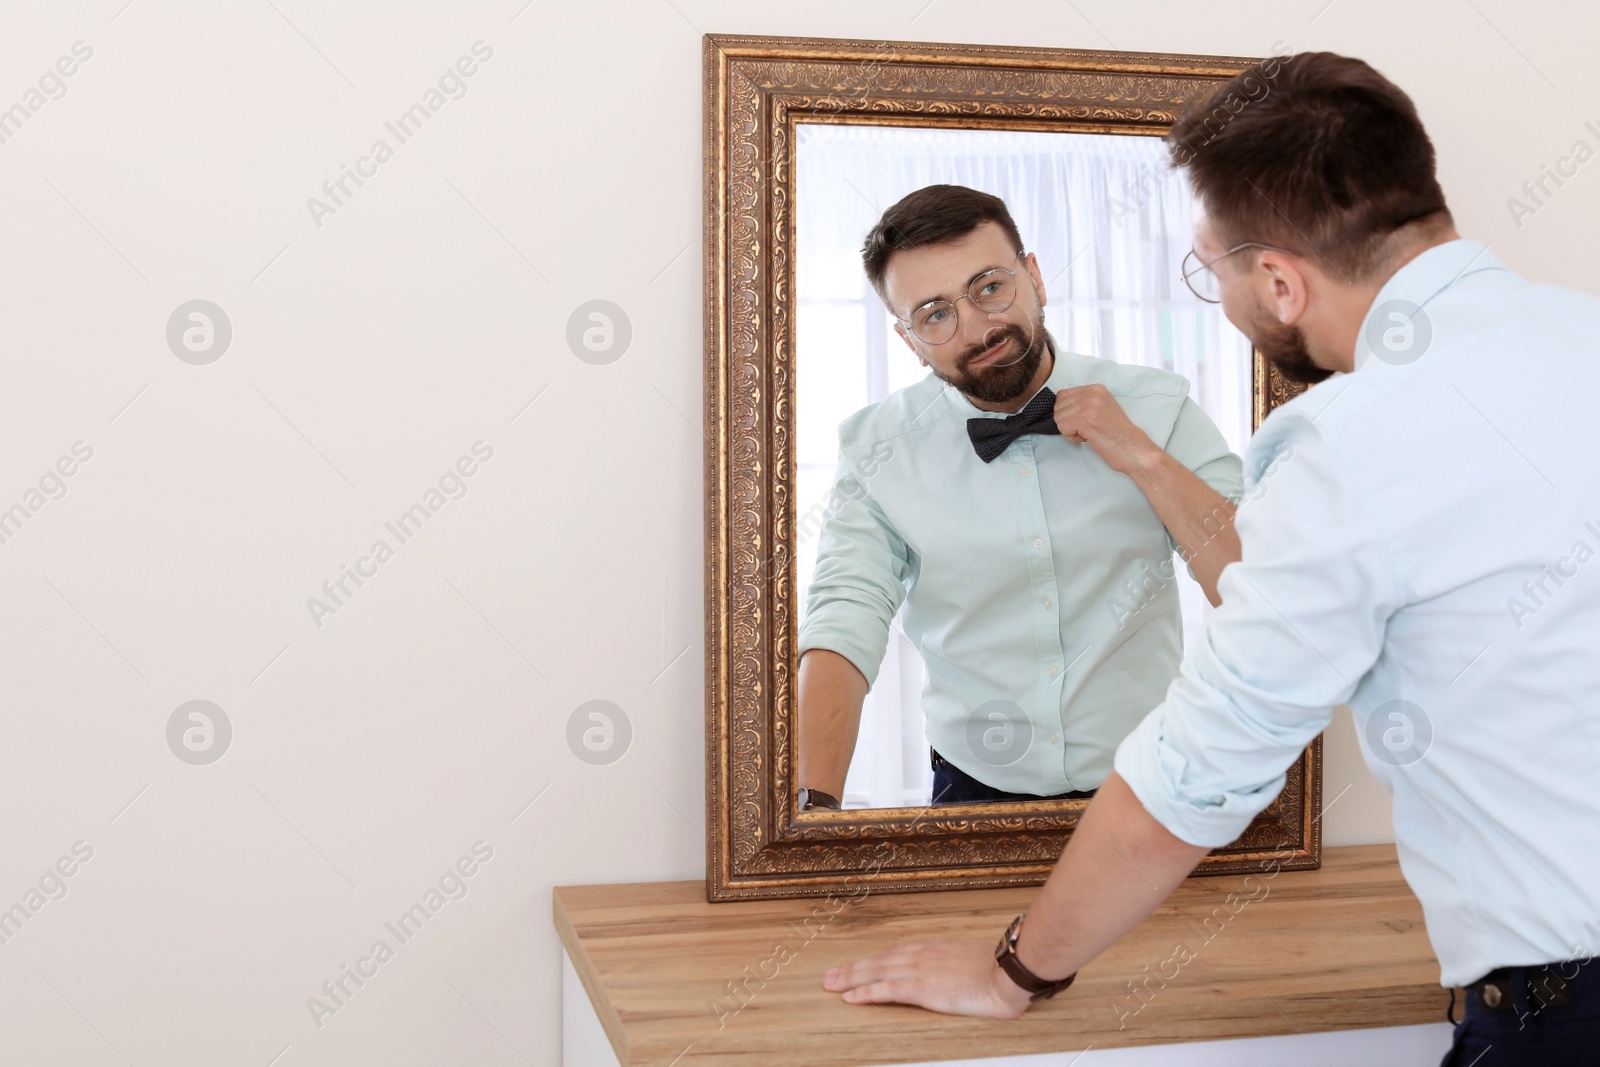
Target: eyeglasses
(935, 322)
(1202, 280)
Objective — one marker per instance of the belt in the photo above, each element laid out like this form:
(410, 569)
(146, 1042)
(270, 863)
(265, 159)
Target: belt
(1545, 987)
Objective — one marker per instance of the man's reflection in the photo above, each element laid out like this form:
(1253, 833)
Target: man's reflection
(1024, 505)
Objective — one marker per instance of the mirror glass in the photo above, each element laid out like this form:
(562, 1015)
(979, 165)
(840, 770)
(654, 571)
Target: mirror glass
(1109, 224)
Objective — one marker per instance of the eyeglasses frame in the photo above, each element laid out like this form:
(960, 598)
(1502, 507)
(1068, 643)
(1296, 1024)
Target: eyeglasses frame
(1189, 273)
(956, 312)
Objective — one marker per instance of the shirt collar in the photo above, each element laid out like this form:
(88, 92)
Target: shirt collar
(1057, 382)
(1415, 284)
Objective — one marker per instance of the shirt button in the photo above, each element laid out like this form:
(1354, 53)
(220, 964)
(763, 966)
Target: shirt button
(1054, 739)
(1054, 671)
(1038, 542)
(1023, 471)
(1045, 602)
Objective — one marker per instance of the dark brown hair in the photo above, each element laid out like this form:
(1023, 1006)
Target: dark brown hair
(931, 215)
(1316, 153)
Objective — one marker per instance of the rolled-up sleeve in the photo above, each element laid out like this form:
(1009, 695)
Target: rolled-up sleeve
(1196, 442)
(860, 577)
(1302, 620)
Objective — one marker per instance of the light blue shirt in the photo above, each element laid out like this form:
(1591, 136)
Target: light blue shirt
(1420, 540)
(1039, 587)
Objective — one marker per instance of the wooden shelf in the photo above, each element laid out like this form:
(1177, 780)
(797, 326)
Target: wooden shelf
(1338, 948)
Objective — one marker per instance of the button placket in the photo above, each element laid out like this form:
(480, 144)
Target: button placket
(1047, 627)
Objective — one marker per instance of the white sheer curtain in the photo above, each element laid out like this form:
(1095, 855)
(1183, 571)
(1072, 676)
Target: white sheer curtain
(1109, 222)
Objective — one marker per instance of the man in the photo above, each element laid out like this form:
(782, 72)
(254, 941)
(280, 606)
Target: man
(1421, 553)
(1024, 505)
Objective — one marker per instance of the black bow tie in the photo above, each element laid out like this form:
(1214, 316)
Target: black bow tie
(990, 437)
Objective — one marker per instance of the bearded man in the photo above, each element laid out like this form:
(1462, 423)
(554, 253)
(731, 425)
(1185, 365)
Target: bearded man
(1023, 504)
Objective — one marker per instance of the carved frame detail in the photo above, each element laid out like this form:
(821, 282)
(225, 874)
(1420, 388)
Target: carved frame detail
(756, 89)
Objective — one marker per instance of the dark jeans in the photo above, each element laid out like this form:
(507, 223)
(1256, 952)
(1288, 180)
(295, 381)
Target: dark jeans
(952, 785)
(1523, 1034)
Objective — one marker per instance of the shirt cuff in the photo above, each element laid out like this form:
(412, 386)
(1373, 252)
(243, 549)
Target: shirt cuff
(860, 657)
(1207, 816)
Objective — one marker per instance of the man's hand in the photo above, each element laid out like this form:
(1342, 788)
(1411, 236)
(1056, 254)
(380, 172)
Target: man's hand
(1105, 883)
(1089, 414)
(953, 977)
(1199, 519)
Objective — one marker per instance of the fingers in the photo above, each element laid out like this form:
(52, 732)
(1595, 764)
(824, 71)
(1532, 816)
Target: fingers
(1077, 396)
(888, 991)
(847, 976)
(888, 976)
(1075, 415)
(893, 964)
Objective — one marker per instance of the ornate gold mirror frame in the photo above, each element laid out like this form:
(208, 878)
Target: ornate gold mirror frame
(756, 89)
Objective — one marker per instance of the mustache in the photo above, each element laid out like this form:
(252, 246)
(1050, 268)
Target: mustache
(994, 337)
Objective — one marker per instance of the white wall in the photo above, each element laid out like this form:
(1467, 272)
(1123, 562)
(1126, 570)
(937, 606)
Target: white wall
(368, 353)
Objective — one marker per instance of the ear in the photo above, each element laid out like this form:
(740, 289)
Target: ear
(1282, 282)
(1031, 261)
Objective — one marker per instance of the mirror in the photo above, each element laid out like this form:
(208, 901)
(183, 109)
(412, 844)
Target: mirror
(1108, 224)
(807, 142)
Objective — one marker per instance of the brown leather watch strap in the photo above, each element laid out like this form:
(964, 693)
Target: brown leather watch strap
(812, 799)
(1005, 954)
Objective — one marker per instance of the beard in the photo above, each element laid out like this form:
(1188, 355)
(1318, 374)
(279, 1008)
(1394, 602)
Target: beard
(1284, 347)
(1004, 383)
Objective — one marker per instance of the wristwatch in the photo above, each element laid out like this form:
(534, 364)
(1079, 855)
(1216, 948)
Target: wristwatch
(1005, 954)
(814, 799)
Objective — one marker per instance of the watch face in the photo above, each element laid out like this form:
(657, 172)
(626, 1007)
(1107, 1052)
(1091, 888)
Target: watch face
(1008, 940)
